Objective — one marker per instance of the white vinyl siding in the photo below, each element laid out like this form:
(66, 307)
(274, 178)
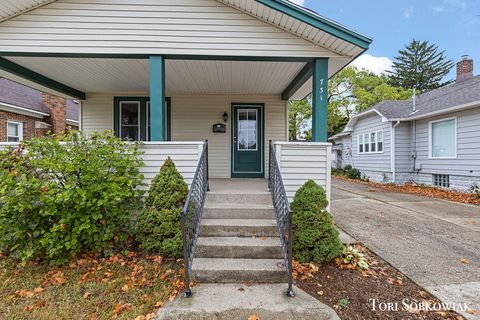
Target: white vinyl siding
(303, 161)
(181, 27)
(467, 162)
(443, 138)
(185, 156)
(192, 119)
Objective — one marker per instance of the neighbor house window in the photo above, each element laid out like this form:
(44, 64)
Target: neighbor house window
(130, 120)
(14, 131)
(370, 142)
(443, 138)
(441, 180)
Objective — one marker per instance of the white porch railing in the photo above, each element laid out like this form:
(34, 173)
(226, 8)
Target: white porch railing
(303, 161)
(184, 154)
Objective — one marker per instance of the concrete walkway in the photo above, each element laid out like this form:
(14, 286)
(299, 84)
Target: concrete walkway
(240, 302)
(425, 238)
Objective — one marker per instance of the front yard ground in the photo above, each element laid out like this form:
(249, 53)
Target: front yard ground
(349, 291)
(119, 287)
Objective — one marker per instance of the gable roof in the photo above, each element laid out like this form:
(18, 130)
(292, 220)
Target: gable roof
(15, 95)
(456, 96)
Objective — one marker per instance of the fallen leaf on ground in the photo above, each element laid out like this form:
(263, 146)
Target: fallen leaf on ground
(125, 288)
(241, 289)
(473, 312)
(464, 261)
(39, 303)
(159, 304)
(253, 317)
(423, 294)
(320, 293)
(24, 293)
(86, 295)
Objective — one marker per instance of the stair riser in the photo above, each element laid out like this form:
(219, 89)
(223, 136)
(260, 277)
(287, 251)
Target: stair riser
(249, 252)
(243, 276)
(228, 198)
(237, 213)
(238, 231)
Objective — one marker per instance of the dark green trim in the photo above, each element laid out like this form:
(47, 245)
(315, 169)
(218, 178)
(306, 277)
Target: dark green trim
(33, 76)
(298, 81)
(143, 116)
(318, 22)
(262, 140)
(145, 57)
(157, 98)
(320, 100)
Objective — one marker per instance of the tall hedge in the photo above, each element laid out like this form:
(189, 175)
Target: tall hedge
(315, 237)
(159, 227)
(63, 195)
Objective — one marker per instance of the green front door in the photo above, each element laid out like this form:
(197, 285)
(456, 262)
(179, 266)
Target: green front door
(247, 141)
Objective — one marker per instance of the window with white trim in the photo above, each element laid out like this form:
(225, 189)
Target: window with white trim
(14, 131)
(443, 138)
(370, 142)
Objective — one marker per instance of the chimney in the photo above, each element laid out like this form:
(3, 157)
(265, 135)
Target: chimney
(58, 112)
(464, 69)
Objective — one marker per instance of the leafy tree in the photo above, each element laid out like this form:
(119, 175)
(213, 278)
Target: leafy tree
(349, 91)
(159, 227)
(299, 114)
(315, 236)
(421, 65)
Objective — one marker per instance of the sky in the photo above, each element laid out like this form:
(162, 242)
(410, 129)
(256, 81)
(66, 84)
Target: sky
(454, 25)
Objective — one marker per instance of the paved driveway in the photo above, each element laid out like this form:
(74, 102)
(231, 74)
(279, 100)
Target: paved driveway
(425, 238)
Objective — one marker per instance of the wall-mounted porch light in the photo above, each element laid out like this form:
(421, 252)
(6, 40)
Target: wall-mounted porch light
(225, 116)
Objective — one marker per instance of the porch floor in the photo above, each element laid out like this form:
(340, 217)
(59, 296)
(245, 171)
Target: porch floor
(238, 185)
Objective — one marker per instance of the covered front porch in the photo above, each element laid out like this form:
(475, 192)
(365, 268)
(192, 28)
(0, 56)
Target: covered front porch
(238, 104)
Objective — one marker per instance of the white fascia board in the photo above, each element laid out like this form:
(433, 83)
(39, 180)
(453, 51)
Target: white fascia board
(72, 122)
(20, 110)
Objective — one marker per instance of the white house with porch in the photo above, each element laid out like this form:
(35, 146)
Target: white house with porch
(174, 73)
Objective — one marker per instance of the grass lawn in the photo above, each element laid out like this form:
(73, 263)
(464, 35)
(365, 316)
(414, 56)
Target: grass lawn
(119, 287)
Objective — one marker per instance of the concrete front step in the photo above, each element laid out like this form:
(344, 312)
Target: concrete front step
(238, 228)
(240, 301)
(226, 270)
(236, 247)
(238, 211)
(239, 198)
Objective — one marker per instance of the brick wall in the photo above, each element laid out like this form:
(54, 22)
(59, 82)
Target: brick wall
(29, 130)
(58, 112)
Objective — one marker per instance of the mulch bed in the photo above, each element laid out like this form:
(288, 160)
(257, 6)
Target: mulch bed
(348, 290)
(422, 190)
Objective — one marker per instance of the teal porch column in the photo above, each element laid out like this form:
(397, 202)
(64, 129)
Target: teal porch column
(157, 99)
(320, 100)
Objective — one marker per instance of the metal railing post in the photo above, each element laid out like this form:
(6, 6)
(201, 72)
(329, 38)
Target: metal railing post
(290, 254)
(208, 175)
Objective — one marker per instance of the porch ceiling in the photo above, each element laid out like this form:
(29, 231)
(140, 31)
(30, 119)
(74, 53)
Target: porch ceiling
(182, 76)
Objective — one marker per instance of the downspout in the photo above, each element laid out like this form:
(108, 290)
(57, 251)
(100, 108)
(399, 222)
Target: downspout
(392, 149)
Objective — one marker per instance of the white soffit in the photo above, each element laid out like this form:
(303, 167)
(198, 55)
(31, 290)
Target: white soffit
(11, 8)
(182, 76)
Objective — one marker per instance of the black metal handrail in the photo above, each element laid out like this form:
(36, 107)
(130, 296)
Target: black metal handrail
(283, 214)
(192, 214)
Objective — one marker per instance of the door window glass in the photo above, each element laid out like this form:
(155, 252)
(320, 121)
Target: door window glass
(247, 129)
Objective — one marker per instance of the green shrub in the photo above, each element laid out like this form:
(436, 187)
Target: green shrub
(159, 227)
(475, 190)
(315, 236)
(67, 194)
(353, 173)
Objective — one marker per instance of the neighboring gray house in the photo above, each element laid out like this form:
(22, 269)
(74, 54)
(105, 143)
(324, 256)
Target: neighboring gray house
(435, 140)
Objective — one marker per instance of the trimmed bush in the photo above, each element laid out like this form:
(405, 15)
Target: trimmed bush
(159, 227)
(315, 237)
(63, 195)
